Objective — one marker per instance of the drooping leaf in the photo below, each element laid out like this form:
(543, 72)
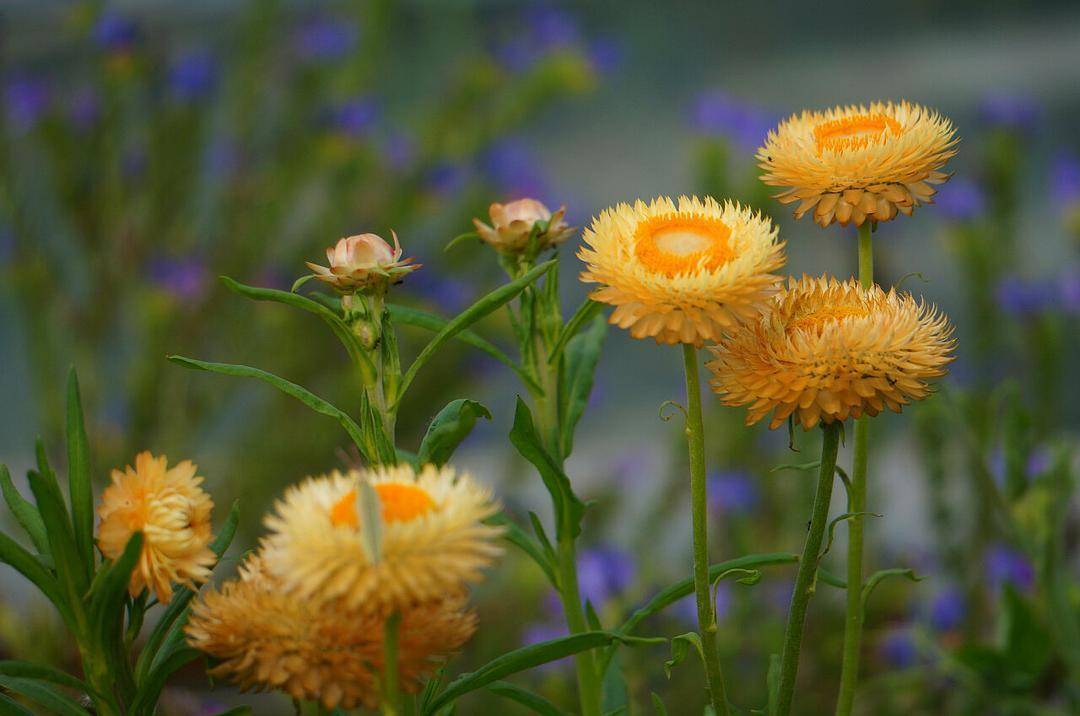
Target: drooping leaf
(452, 425)
(334, 321)
(522, 659)
(680, 647)
(484, 306)
(532, 701)
(569, 509)
(82, 497)
(582, 355)
(430, 321)
(878, 577)
(302, 394)
(56, 702)
(27, 516)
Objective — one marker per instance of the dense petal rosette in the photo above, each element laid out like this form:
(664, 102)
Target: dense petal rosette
(681, 273)
(828, 350)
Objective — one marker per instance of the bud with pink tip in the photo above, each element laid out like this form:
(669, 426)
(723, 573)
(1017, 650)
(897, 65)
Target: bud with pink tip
(513, 224)
(361, 261)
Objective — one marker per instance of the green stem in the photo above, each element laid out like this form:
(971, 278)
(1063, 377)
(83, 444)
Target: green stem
(391, 691)
(695, 439)
(589, 692)
(806, 578)
(853, 620)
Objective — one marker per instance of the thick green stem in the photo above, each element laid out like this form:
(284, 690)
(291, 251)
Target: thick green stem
(853, 621)
(391, 690)
(589, 692)
(806, 578)
(695, 439)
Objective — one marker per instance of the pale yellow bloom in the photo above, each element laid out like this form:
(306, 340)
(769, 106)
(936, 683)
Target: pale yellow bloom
(266, 638)
(856, 164)
(357, 262)
(512, 225)
(828, 350)
(173, 513)
(432, 537)
(681, 273)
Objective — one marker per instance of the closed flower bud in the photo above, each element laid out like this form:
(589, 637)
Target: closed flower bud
(512, 224)
(362, 261)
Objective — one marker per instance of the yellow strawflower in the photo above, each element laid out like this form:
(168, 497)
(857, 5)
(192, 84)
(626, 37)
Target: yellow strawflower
(681, 273)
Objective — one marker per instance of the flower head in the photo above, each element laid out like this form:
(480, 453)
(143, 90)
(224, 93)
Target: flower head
(267, 639)
(432, 539)
(830, 349)
(173, 513)
(853, 164)
(357, 262)
(681, 273)
(513, 224)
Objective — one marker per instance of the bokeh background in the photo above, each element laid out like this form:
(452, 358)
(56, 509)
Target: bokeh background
(148, 147)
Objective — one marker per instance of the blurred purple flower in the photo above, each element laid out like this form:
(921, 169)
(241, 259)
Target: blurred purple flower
(399, 150)
(324, 39)
(947, 609)
(223, 156)
(1017, 112)
(446, 178)
(1005, 565)
(897, 648)
(604, 573)
(543, 29)
(26, 99)
(717, 113)
(512, 167)
(84, 108)
(1021, 298)
(1065, 178)
(606, 54)
(355, 117)
(1070, 291)
(449, 294)
(732, 491)
(185, 278)
(961, 200)
(193, 76)
(133, 161)
(114, 31)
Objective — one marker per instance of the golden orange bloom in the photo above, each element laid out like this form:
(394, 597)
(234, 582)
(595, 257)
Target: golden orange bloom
(357, 262)
(173, 513)
(681, 273)
(512, 225)
(432, 539)
(828, 350)
(266, 639)
(856, 164)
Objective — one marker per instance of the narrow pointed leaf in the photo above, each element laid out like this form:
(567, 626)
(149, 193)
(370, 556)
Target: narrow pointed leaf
(485, 305)
(302, 394)
(585, 313)
(10, 707)
(520, 539)
(13, 554)
(334, 321)
(452, 425)
(82, 497)
(27, 670)
(27, 515)
(582, 356)
(532, 701)
(54, 701)
(69, 571)
(150, 689)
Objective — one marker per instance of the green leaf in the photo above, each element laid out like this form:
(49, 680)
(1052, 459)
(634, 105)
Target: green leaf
(680, 647)
(357, 354)
(522, 659)
(460, 238)
(534, 702)
(568, 508)
(520, 539)
(1027, 642)
(107, 610)
(79, 476)
(302, 394)
(772, 682)
(541, 534)
(10, 707)
(150, 690)
(422, 319)
(174, 616)
(28, 566)
(27, 515)
(582, 355)
(877, 577)
(39, 693)
(592, 619)
(585, 312)
(614, 692)
(72, 577)
(832, 528)
(452, 425)
(485, 305)
(658, 704)
(27, 670)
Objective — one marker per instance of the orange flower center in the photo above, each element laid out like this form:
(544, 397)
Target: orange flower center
(817, 318)
(675, 244)
(855, 132)
(400, 503)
